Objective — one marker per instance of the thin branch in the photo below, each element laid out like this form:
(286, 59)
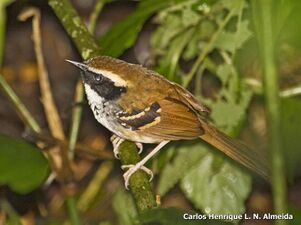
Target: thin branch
(207, 49)
(53, 118)
(59, 155)
(10, 211)
(104, 154)
(257, 88)
(291, 92)
(76, 118)
(23, 112)
(3, 5)
(93, 188)
(95, 13)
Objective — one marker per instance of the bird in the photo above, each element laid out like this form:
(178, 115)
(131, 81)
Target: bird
(140, 105)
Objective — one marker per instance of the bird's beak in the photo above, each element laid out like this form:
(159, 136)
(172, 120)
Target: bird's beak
(80, 65)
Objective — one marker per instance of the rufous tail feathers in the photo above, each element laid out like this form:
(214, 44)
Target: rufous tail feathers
(236, 150)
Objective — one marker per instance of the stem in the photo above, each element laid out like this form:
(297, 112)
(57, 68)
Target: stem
(271, 91)
(94, 15)
(291, 92)
(14, 218)
(2, 31)
(20, 107)
(90, 193)
(206, 50)
(71, 206)
(76, 118)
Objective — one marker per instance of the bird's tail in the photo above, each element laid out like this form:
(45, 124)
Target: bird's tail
(236, 150)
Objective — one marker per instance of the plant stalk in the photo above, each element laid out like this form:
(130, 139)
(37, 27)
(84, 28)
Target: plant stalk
(271, 92)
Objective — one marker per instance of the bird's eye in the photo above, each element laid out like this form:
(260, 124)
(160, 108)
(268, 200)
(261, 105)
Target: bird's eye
(97, 77)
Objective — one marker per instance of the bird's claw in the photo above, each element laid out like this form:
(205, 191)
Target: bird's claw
(140, 147)
(117, 141)
(131, 170)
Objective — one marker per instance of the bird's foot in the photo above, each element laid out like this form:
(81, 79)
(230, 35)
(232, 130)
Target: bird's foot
(117, 141)
(132, 169)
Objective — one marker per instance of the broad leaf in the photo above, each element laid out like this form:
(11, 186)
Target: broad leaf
(231, 41)
(123, 35)
(22, 166)
(124, 206)
(235, 112)
(216, 186)
(188, 155)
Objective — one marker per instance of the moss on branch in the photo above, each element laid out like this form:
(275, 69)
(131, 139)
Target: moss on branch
(139, 181)
(76, 28)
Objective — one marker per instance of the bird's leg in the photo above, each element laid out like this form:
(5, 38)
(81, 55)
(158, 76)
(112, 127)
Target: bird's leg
(117, 141)
(140, 165)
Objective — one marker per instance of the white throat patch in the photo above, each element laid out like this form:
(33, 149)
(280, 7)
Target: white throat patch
(118, 81)
(92, 95)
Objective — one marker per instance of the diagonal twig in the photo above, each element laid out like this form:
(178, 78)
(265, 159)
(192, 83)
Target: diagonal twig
(59, 159)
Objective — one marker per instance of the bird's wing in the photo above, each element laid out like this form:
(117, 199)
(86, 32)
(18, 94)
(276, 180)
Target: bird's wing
(167, 119)
(187, 97)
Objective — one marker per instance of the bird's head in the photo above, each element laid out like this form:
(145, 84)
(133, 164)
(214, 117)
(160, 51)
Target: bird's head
(106, 76)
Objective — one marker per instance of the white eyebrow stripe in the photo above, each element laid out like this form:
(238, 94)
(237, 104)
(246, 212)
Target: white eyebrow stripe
(118, 81)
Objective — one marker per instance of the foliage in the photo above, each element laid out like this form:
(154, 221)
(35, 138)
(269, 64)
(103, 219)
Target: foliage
(20, 161)
(122, 35)
(124, 206)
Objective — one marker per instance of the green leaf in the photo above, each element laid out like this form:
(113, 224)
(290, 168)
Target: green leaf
(216, 186)
(167, 30)
(22, 166)
(173, 216)
(232, 4)
(235, 111)
(197, 41)
(231, 41)
(169, 62)
(123, 34)
(188, 155)
(124, 206)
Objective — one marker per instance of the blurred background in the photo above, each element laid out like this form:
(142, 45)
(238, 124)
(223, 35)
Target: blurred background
(215, 48)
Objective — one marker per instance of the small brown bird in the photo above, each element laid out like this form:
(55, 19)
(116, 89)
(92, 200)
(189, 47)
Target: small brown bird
(140, 105)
